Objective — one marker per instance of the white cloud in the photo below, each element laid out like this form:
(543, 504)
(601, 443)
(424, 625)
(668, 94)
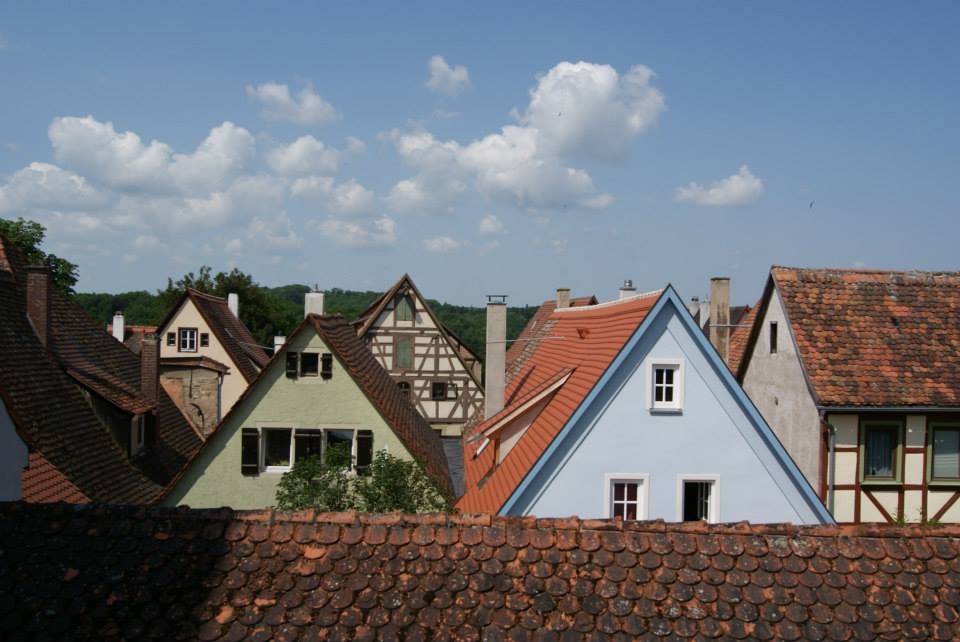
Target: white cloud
(274, 234)
(121, 160)
(46, 186)
(306, 155)
(441, 244)
(741, 188)
(146, 242)
(380, 232)
(446, 79)
(490, 225)
(307, 108)
(349, 197)
(233, 246)
(355, 145)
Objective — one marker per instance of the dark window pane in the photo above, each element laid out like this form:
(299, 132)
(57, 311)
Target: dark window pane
(292, 364)
(364, 449)
(659, 375)
(277, 452)
(632, 492)
(439, 390)
(250, 452)
(618, 492)
(309, 364)
(308, 443)
(204, 340)
(946, 453)
(668, 395)
(658, 393)
(880, 452)
(339, 446)
(696, 500)
(773, 337)
(404, 388)
(668, 376)
(171, 338)
(631, 512)
(327, 365)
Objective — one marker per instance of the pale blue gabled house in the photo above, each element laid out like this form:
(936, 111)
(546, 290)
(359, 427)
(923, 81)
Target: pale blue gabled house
(625, 409)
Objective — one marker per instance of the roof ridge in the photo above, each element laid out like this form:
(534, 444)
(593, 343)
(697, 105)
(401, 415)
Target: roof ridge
(610, 304)
(873, 272)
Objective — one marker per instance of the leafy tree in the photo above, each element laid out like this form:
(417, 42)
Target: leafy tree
(390, 484)
(27, 236)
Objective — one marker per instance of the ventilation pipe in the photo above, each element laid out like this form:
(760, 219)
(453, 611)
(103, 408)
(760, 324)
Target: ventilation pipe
(720, 315)
(117, 327)
(233, 302)
(627, 290)
(495, 367)
(563, 298)
(313, 303)
(278, 342)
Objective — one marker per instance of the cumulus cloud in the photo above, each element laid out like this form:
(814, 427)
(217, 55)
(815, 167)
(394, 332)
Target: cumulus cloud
(46, 186)
(380, 232)
(306, 108)
(441, 244)
(355, 145)
(306, 155)
(490, 225)
(349, 197)
(273, 233)
(445, 79)
(741, 188)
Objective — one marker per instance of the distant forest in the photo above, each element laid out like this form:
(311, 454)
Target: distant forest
(277, 311)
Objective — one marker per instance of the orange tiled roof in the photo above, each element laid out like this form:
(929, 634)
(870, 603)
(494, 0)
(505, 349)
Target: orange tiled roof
(584, 339)
(523, 345)
(875, 338)
(740, 335)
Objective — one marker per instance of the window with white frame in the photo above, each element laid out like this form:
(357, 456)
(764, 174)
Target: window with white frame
(665, 385)
(276, 450)
(626, 496)
(188, 340)
(698, 499)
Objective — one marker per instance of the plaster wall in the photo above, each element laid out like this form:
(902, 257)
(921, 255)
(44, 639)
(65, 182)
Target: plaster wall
(712, 436)
(188, 316)
(13, 458)
(776, 385)
(214, 478)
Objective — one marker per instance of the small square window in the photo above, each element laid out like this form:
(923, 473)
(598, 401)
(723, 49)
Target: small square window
(665, 391)
(309, 364)
(698, 501)
(438, 390)
(945, 464)
(404, 387)
(626, 496)
(171, 338)
(204, 339)
(188, 340)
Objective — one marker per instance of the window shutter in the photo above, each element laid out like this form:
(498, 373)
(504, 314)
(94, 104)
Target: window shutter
(364, 449)
(250, 455)
(292, 364)
(326, 365)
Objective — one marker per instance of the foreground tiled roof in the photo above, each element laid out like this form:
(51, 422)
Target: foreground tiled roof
(870, 338)
(44, 392)
(114, 573)
(524, 345)
(232, 334)
(583, 341)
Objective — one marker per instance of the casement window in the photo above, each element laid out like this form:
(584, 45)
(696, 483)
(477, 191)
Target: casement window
(404, 311)
(625, 496)
(276, 450)
(945, 453)
(404, 387)
(451, 390)
(171, 339)
(204, 339)
(309, 364)
(665, 385)
(438, 390)
(326, 365)
(773, 337)
(404, 353)
(698, 498)
(188, 340)
(880, 447)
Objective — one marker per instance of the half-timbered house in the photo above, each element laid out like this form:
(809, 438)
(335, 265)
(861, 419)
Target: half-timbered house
(440, 375)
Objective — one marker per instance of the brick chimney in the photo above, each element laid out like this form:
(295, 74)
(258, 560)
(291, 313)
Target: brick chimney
(563, 298)
(150, 366)
(627, 290)
(495, 365)
(720, 315)
(39, 292)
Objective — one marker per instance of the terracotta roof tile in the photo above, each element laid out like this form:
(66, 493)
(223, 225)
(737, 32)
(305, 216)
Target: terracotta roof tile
(583, 340)
(42, 482)
(739, 336)
(524, 345)
(871, 338)
(232, 334)
(109, 573)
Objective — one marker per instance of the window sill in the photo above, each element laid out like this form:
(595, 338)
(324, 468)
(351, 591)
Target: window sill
(944, 483)
(275, 470)
(881, 482)
(666, 411)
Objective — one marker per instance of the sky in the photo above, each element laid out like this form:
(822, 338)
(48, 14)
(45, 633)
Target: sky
(483, 147)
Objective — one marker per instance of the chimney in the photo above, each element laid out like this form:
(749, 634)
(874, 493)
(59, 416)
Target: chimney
(720, 315)
(627, 290)
(495, 365)
(694, 306)
(233, 302)
(150, 366)
(704, 313)
(39, 291)
(563, 298)
(313, 303)
(278, 342)
(117, 327)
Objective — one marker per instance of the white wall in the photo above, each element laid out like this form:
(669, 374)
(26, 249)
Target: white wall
(776, 385)
(13, 458)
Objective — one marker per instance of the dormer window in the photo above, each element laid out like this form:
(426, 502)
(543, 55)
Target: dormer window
(665, 385)
(188, 340)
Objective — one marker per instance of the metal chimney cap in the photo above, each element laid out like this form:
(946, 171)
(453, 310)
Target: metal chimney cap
(628, 284)
(497, 299)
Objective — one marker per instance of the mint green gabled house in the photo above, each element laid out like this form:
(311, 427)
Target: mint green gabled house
(323, 387)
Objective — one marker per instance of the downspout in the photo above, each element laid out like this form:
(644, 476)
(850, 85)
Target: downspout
(831, 460)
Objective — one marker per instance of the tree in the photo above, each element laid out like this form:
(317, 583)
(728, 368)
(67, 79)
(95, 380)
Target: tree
(390, 484)
(27, 236)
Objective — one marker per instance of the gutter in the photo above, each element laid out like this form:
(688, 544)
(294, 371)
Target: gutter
(826, 409)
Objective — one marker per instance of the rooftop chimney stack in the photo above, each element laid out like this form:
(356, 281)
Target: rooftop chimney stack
(694, 306)
(313, 302)
(563, 298)
(627, 290)
(704, 313)
(39, 291)
(233, 302)
(278, 342)
(720, 315)
(150, 366)
(117, 327)
(495, 366)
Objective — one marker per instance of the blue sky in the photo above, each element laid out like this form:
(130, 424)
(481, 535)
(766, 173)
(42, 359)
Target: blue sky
(559, 144)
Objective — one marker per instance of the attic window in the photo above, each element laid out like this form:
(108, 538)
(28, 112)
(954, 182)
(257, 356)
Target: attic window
(171, 338)
(309, 364)
(188, 340)
(438, 390)
(326, 365)
(404, 387)
(665, 385)
(204, 339)
(773, 337)
(404, 310)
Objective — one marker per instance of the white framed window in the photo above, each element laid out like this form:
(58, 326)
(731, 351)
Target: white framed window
(665, 385)
(625, 495)
(188, 340)
(278, 449)
(276, 453)
(698, 498)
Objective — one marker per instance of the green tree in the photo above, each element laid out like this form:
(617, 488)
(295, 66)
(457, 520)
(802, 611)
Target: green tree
(390, 484)
(28, 236)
